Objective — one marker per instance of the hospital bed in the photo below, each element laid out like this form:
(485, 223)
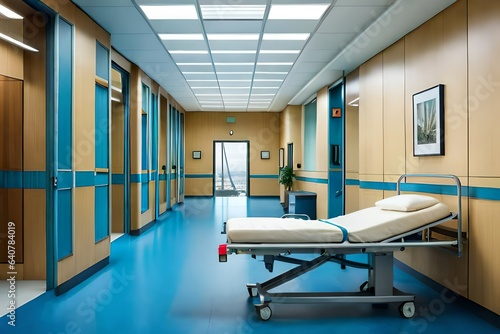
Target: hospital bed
(393, 224)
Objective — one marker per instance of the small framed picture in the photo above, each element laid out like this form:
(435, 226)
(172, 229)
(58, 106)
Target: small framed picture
(196, 154)
(336, 112)
(428, 122)
(264, 155)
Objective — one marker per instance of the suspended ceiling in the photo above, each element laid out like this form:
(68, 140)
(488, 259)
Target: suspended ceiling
(235, 55)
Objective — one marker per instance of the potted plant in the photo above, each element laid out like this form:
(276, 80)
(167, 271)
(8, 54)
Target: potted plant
(287, 177)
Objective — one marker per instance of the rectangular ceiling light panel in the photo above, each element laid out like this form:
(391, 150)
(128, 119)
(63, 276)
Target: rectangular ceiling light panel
(176, 12)
(233, 12)
(297, 12)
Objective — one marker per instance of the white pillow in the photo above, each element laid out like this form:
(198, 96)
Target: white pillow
(406, 202)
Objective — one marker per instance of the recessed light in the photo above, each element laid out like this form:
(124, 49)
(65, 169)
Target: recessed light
(275, 63)
(189, 52)
(176, 12)
(233, 12)
(181, 37)
(285, 37)
(297, 12)
(16, 42)
(233, 37)
(233, 52)
(7, 12)
(279, 51)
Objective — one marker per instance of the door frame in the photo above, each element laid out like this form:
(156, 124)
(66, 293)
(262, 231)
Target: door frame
(214, 178)
(336, 122)
(125, 76)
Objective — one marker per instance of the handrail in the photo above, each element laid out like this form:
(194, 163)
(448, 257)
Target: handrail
(459, 199)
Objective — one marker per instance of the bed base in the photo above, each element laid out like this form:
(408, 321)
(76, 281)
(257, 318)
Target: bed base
(378, 289)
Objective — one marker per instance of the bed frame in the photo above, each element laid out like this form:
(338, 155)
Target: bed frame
(378, 289)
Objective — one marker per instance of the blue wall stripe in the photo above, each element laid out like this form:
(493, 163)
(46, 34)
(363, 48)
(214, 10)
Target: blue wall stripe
(312, 180)
(139, 178)
(162, 177)
(351, 182)
(199, 176)
(35, 180)
(264, 176)
(376, 185)
(484, 193)
(117, 178)
(11, 179)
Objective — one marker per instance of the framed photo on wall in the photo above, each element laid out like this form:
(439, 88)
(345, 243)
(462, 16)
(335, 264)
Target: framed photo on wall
(428, 122)
(265, 155)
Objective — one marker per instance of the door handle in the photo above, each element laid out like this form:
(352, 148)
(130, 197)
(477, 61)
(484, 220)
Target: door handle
(338, 193)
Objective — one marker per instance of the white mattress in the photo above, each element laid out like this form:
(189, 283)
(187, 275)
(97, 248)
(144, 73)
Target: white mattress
(368, 225)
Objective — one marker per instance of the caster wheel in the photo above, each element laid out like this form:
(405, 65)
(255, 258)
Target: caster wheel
(263, 312)
(363, 287)
(407, 310)
(253, 292)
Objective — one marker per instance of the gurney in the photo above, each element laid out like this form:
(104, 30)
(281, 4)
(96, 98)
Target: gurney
(393, 224)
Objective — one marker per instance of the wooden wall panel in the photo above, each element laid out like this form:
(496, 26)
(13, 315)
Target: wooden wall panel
(117, 208)
(117, 138)
(371, 117)
(351, 198)
(135, 206)
(35, 261)
(84, 94)
(11, 120)
(322, 132)
(12, 56)
(102, 250)
(352, 125)
(199, 187)
(394, 105)
(484, 93)
(149, 215)
(291, 132)
(34, 104)
(484, 232)
(264, 187)
(12, 203)
(84, 217)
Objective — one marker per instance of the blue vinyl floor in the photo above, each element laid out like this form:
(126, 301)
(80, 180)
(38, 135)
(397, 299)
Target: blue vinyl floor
(169, 280)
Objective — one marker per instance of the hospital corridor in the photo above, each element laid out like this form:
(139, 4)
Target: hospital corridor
(256, 166)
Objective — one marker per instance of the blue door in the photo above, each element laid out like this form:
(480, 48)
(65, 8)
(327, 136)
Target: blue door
(59, 147)
(336, 151)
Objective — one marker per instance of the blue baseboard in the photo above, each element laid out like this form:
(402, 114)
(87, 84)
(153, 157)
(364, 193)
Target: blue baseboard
(143, 229)
(72, 282)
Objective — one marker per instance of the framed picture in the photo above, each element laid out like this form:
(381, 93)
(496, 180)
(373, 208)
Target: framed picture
(282, 157)
(336, 112)
(428, 122)
(196, 154)
(264, 155)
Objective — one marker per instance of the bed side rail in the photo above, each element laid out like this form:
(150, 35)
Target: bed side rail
(459, 234)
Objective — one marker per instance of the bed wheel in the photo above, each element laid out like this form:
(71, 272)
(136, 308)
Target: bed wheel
(407, 310)
(252, 292)
(263, 311)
